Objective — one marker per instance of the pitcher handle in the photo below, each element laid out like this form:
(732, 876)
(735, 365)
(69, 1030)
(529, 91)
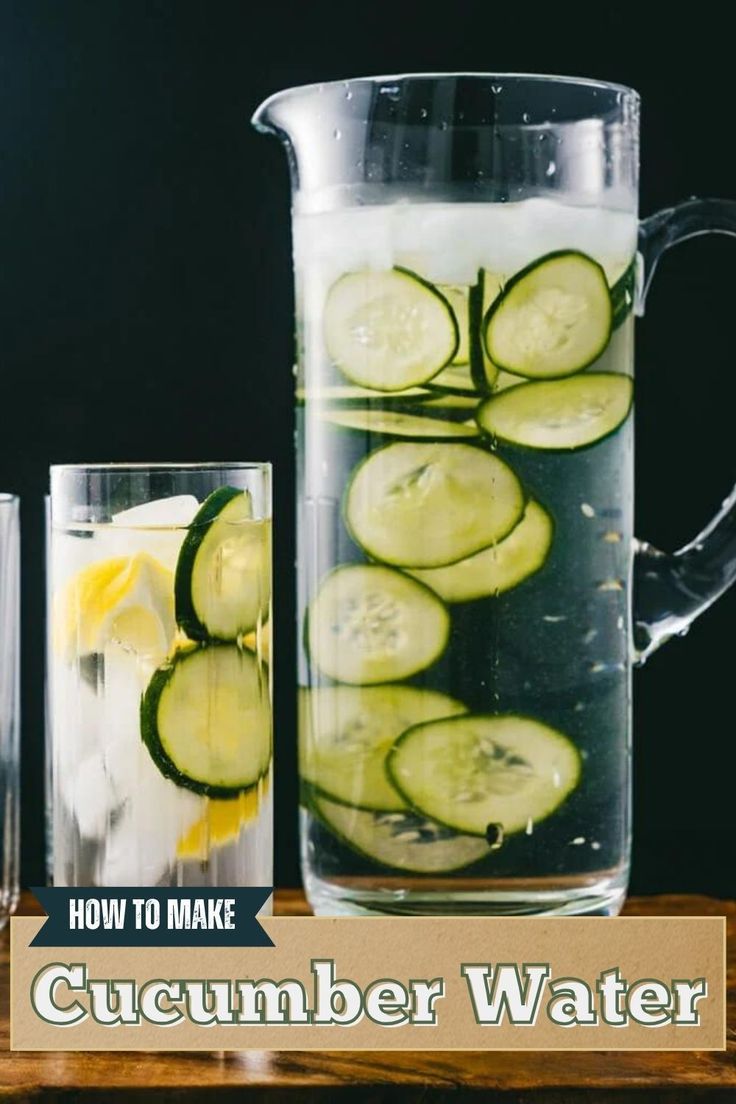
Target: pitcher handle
(672, 589)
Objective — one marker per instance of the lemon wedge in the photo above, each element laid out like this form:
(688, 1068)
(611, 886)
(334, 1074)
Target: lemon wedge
(126, 599)
(222, 823)
(251, 641)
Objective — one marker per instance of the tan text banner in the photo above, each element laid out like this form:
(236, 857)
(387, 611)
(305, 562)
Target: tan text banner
(384, 983)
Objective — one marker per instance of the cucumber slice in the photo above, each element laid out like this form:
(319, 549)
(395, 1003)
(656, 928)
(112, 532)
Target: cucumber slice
(402, 841)
(346, 732)
(473, 772)
(371, 624)
(560, 414)
(448, 401)
(483, 294)
(457, 296)
(553, 319)
(222, 585)
(348, 393)
(422, 505)
(623, 294)
(206, 720)
(498, 568)
(396, 424)
(455, 380)
(388, 330)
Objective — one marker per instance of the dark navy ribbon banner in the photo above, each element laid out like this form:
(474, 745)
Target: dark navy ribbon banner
(91, 917)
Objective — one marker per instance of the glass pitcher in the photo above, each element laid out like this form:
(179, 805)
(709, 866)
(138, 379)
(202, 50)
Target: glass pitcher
(468, 261)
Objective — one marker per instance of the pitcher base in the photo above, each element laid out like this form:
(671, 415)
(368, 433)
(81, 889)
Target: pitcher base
(604, 897)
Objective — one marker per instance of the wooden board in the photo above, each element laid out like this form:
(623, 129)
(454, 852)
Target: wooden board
(270, 1076)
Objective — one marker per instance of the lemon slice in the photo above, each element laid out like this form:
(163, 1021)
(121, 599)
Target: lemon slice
(221, 824)
(126, 599)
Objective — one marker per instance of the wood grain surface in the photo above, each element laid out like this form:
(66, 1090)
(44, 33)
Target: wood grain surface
(429, 1077)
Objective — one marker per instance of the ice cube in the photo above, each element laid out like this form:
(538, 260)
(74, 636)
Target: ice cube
(141, 846)
(93, 799)
(126, 677)
(177, 510)
(157, 527)
(76, 723)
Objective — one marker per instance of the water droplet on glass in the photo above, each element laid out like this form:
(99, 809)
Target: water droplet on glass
(496, 89)
(610, 584)
(577, 841)
(587, 509)
(529, 827)
(348, 95)
(337, 134)
(551, 168)
(423, 113)
(595, 846)
(554, 618)
(590, 636)
(611, 536)
(526, 116)
(578, 707)
(620, 623)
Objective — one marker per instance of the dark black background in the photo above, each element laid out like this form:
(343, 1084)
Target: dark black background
(145, 307)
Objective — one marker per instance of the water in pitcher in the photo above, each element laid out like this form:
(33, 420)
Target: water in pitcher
(160, 711)
(465, 446)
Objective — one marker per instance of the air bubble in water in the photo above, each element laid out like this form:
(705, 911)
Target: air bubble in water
(587, 509)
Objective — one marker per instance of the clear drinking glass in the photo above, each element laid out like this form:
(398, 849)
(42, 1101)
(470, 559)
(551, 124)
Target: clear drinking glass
(159, 706)
(467, 259)
(9, 704)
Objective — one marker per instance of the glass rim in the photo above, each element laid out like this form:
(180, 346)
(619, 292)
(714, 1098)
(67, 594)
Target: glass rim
(165, 466)
(552, 78)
